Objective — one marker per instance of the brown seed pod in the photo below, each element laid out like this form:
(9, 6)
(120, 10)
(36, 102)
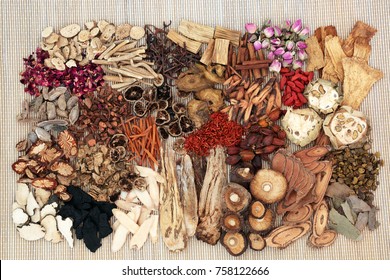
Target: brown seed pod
(232, 222)
(298, 216)
(327, 238)
(235, 197)
(262, 225)
(257, 209)
(268, 186)
(256, 241)
(235, 243)
(320, 219)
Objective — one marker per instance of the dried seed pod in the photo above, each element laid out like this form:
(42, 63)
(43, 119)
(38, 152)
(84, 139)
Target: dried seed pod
(179, 108)
(186, 124)
(235, 243)
(163, 132)
(256, 241)
(247, 155)
(327, 238)
(140, 108)
(235, 197)
(162, 117)
(262, 225)
(174, 129)
(233, 150)
(232, 222)
(233, 159)
(257, 209)
(268, 186)
(298, 216)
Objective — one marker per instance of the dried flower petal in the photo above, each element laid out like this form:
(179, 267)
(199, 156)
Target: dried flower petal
(251, 28)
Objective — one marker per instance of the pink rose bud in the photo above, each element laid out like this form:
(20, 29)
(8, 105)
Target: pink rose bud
(275, 66)
(287, 24)
(302, 55)
(297, 26)
(301, 45)
(304, 32)
(287, 55)
(277, 31)
(251, 28)
(290, 45)
(279, 51)
(297, 64)
(257, 45)
(265, 44)
(275, 42)
(287, 62)
(268, 32)
(271, 56)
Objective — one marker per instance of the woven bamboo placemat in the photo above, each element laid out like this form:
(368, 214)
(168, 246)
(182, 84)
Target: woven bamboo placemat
(22, 23)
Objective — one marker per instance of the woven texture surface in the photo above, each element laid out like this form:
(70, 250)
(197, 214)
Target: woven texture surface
(22, 23)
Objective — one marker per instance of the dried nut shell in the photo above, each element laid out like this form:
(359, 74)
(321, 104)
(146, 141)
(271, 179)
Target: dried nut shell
(263, 224)
(174, 129)
(232, 222)
(70, 30)
(256, 241)
(298, 216)
(47, 31)
(235, 197)
(137, 32)
(327, 238)
(283, 236)
(235, 243)
(320, 219)
(44, 183)
(268, 186)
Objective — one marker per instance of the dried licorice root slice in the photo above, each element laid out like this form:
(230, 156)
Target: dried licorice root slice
(283, 236)
(327, 238)
(300, 215)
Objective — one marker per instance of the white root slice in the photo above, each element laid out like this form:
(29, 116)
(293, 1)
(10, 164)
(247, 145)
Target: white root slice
(145, 198)
(154, 191)
(16, 205)
(154, 229)
(139, 238)
(19, 217)
(124, 205)
(65, 227)
(31, 204)
(48, 209)
(146, 172)
(144, 214)
(31, 232)
(121, 232)
(22, 192)
(51, 232)
(131, 195)
(115, 225)
(42, 196)
(125, 220)
(37, 216)
(123, 195)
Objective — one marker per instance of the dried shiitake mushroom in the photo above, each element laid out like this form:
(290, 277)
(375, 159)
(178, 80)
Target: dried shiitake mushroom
(268, 186)
(242, 173)
(257, 209)
(232, 222)
(235, 197)
(262, 225)
(235, 243)
(256, 241)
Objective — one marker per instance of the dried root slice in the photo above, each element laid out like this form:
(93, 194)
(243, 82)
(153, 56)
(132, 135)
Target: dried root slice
(62, 168)
(20, 166)
(300, 215)
(37, 148)
(49, 155)
(68, 144)
(320, 219)
(268, 186)
(51, 232)
(19, 217)
(235, 243)
(283, 236)
(65, 227)
(262, 225)
(44, 183)
(236, 198)
(21, 194)
(327, 238)
(257, 209)
(312, 154)
(31, 232)
(256, 241)
(232, 222)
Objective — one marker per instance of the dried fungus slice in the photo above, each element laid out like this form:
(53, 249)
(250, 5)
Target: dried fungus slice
(236, 198)
(283, 236)
(44, 183)
(298, 216)
(256, 242)
(235, 243)
(31, 232)
(320, 219)
(262, 225)
(67, 142)
(62, 168)
(327, 238)
(232, 222)
(268, 186)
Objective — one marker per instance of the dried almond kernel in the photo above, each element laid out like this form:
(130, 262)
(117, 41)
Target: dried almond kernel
(44, 183)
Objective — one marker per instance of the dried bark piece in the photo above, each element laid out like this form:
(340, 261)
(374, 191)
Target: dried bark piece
(343, 226)
(320, 219)
(315, 54)
(195, 31)
(188, 44)
(362, 50)
(322, 32)
(312, 154)
(235, 243)
(359, 79)
(232, 35)
(44, 183)
(298, 216)
(360, 30)
(208, 53)
(220, 51)
(256, 242)
(283, 236)
(268, 186)
(327, 238)
(357, 205)
(336, 55)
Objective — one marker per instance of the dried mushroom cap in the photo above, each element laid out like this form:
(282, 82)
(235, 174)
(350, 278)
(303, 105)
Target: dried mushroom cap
(268, 186)
(232, 222)
(345, 127)
(262, 225)
(257, 209)
(302, 125)
(236, 198)
(323, 96)
(325, 239)
(235, 243)
(44, 183)
(256, 241)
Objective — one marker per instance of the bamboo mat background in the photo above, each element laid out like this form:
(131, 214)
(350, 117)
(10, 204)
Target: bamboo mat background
(21, 26)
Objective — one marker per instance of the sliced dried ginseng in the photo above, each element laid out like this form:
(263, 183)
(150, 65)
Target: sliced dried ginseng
(315, 54)
(235, 243)
(70, 31)
(67, 143)
(320, 219)
(257, 209)
(232, 222)
(298, 216)
(262, 225)
(256, 241)
(44, 183)
(327, 238)
(359, 79)
(235, 197)
(283, 236)
(268, 186)
(62, 168)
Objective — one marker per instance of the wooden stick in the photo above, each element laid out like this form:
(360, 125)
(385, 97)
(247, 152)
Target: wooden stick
(264, 71)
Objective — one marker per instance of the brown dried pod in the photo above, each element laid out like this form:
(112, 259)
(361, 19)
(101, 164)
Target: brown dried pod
(233, 159)
(162, 131)
(62, 168)
(268, 186)
(298, 216)
(186, 124)
(235, 197)
(257, 209)
(140, 108)
(174, 129)
(256, 241)
(284, 235)
(320, 219)
(262, 225)
(44, 183)
(68, 143)
(179, 108)
(232, 222)
(235, 243)
(233, 150)
(327, 238)
(247, 155)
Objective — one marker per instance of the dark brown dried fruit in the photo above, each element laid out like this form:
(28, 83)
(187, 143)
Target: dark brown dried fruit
(233, 159)
(134, 93)
(247, 155)
(233, 150)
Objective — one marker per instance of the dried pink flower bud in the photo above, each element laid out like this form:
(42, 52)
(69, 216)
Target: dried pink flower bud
(257, 45)
(251, 28)
(268, 32)
(275, 66)
(279, 51)
(297, 26)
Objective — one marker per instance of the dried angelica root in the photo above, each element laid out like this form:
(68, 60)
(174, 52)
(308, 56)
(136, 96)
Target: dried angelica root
(210, 206)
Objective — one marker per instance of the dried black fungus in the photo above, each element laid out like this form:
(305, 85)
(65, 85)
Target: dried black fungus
(90, 217)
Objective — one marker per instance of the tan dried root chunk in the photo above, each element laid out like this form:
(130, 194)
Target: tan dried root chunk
(315, 54)
(283, 236)
(122, 31)
(359, 79)
(362, 50)
(336, 54)
(320, 219)
(62, 168)
(361, 30)
(322, 32)
(324, 240)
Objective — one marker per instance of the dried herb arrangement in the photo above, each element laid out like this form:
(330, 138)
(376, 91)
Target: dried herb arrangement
(191, 134)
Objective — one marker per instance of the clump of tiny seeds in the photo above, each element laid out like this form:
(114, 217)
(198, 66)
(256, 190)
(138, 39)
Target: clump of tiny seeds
(358, 169)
